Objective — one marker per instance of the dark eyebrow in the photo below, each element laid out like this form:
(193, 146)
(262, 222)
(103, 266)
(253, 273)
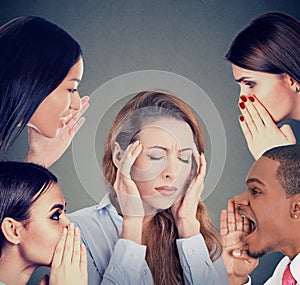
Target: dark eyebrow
(186, 149)
(58, 206)
(242, 79)
(251, 180)
(75, 79)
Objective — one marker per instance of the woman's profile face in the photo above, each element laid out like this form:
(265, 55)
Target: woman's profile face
(47, 221)
(272, 90)
(164, 165)
(59, 106)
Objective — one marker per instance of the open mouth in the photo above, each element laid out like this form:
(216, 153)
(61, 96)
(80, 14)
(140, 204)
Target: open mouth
(252, 225)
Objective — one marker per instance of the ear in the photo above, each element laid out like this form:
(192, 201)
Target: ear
(117, 154)
(295, 86)
(11, 230)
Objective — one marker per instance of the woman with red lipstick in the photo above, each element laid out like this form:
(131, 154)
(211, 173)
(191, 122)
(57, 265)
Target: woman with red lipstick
(40, 69)
(265, 59)
(152, 226)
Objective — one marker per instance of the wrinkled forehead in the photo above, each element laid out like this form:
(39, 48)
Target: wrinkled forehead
(168, 130)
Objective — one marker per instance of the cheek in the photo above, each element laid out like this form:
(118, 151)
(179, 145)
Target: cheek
(147, 170)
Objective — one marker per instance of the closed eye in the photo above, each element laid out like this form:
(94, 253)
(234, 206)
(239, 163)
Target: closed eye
(250, 84)
(72, 90)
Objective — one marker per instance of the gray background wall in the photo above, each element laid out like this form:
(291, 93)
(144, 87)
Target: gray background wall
(188, 38)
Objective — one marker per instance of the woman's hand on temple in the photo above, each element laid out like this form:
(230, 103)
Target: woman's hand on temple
(69, 264)
(259, 129)
(45, 151)
(185, 210)
(233, 229)
(129, 198)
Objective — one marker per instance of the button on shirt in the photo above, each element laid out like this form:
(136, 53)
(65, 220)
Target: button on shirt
(113, 260)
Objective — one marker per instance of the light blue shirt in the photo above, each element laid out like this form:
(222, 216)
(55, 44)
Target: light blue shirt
(113, 260)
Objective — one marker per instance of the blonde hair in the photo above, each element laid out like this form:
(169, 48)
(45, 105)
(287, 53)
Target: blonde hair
(161, 233)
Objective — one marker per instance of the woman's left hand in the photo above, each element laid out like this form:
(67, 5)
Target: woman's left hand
(46, 151)
(185, 210)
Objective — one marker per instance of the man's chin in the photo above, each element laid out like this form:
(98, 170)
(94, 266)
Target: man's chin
(256, 254)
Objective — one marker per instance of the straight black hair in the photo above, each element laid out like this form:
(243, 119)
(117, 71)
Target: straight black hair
(269, 44)
(35, 57)
(21, 184)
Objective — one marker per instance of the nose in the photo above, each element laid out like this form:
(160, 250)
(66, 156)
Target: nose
(66, 221)
(242, 200)
(75, 101)
(172, 168)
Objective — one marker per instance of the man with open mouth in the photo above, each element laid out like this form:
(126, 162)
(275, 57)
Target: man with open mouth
(265, 218)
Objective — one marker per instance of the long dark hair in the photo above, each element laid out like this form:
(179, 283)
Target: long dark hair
(21, 184)
(35, 57)
(269, 44)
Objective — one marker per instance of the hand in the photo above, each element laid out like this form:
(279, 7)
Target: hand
(233, 229)
(69, 264)
(129, 198)
(46, 151)
(185, 210)
(260, 130)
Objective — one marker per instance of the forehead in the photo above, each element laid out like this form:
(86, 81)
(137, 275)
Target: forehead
(53, 195)
(265, 170)
(167, 130)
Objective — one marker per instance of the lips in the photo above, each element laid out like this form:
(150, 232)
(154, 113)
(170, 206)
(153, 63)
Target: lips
(166, 190)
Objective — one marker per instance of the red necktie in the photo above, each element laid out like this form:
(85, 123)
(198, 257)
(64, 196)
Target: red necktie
(287, 278)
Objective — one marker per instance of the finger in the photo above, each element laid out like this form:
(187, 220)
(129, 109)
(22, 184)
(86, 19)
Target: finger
(76, 247)
(44, 280)
(248, 120)
(245, 129)
(257, 120)
(197, 157)
(129, 157)
(83, 259)
(68, 249)
(59, 250)
(231, 216)
(223, 223)
(288, 132)
(264, 114)
(239, 220)
(76, 126)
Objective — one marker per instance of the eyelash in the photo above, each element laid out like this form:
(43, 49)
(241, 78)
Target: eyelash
(250, 84)
(72, 90)
(187, 161)
(56, 216)
(255, 191)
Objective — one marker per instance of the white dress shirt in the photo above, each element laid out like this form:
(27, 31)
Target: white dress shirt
(276, 278)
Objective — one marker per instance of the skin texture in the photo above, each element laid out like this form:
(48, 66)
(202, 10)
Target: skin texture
(59, 106)
(266, 99)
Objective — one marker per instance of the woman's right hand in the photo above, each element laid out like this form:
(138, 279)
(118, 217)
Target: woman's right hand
(259, 129)
(69, 264)
(129, 199)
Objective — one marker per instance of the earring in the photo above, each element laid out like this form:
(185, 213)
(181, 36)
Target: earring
(296, 216)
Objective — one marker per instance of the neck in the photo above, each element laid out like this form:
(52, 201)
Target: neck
(295, 112)
(13, 269)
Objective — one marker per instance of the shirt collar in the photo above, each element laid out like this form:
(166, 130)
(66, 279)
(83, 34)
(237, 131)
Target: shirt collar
(295, 268)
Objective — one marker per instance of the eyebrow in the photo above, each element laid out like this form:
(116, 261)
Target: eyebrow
(251, 180)
(243, 78)
(58, 206)
(75, 79)
(165, 149)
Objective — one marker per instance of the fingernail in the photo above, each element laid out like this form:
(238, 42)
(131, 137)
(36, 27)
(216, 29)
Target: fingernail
(236, 253)
(244, 98)
(241, 117)
(251, 98)
(242, 105)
